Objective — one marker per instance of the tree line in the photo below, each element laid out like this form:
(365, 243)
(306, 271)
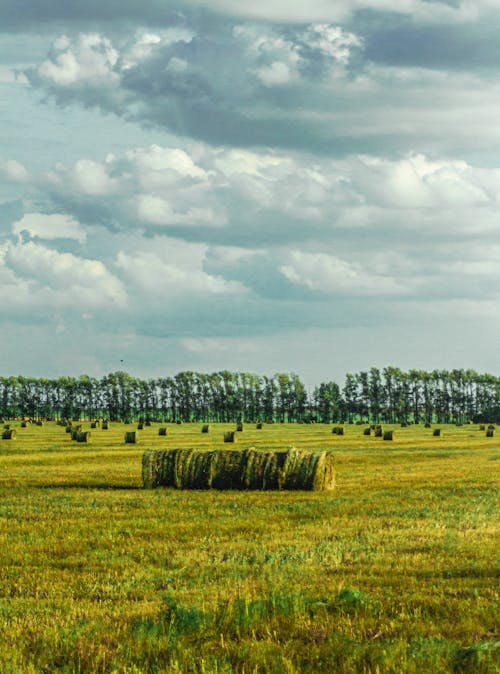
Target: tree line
(387, 395)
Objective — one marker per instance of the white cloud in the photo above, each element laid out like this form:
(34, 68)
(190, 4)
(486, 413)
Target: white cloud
(54, 226)
(331, 274)
(14, 171)
(60, 279)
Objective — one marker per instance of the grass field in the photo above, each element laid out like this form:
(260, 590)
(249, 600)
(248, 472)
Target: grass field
(394, 571)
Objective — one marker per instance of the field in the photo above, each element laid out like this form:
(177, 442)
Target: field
(394, 571)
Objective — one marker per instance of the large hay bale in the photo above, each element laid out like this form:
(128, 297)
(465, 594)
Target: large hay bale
(291, 469)
(490, 433)
(131, 437)
(9, 434)
(388, 435)
(83, 436)
(162, 430)
(205, 428)
(437, 432)
(229, 436)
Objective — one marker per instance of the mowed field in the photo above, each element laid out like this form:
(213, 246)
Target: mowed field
(394, 571)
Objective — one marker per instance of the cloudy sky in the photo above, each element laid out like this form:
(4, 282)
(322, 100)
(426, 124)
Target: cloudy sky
(300, 185)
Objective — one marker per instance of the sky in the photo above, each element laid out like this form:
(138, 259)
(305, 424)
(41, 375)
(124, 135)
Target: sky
(299, 186)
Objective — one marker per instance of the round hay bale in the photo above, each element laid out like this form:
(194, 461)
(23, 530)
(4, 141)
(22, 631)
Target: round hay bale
(131, 437)
(229, 436)
(239, 426)
(140, 426)
(39, 423)
(490, 433)
(105, 425)
(482, 427)
(437, 432)
(93, 424)
(83, 436)
(147, 423)
(24, 424)
(388, 435)
(338, 430)
(259, 426)
(491, 427)
(6, 427)
(9, 434)
(178, 422)
(367, 431)
(205, 428)
(378, 432)
(68, 429)
(243, 469)
(162, 430)
(427, 425)
(404, 424)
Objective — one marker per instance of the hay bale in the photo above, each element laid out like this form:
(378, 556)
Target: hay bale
(105, 425)
(388, 435)
(68, 428)
(162, 430)
(239, 426)
(93, 424)
(229, 436)
(378, 432)
(482, 427)
(437, 432)
(367, 431)
(24, 424)
(338, 430)
(490, 433)
(427, 425)
(131, 437)
(140, 426)
(249, 469)
(178, 422)
(205, 428)
(39, 423)
(147, 423)
(83, 436)
(6, 427)
(259, 426)
(491, 427)
(404, 424)
(9, 434)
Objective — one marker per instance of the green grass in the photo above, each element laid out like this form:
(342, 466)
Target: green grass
(394, 571)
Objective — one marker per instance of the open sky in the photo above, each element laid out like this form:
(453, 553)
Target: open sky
(281, 185)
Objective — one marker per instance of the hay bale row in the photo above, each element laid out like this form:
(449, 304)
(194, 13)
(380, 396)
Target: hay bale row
(290, 469)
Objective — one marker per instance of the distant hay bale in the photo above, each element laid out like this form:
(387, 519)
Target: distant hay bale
(131, 437)
(147, 423)
(378, 432)
(205, 428)
(6, 427)
(162, 430)
(93, 424)
(427, 425)
(259, 426)
(338, 430)
(9, 434)
(178, 422)
(388, 435)
(105, 425)
(437, 432)
(367, 431)
(249, 469)
(68, 428)
(490, 433)
(24, 424)
(140, 426)
(482, 427)
(229, 436)
(404, 424)
(491, 427)
(239, 426)
(75, 430)
(39, 423)
(83, 436)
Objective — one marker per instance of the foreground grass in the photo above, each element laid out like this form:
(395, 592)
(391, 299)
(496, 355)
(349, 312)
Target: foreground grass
(393, 572)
